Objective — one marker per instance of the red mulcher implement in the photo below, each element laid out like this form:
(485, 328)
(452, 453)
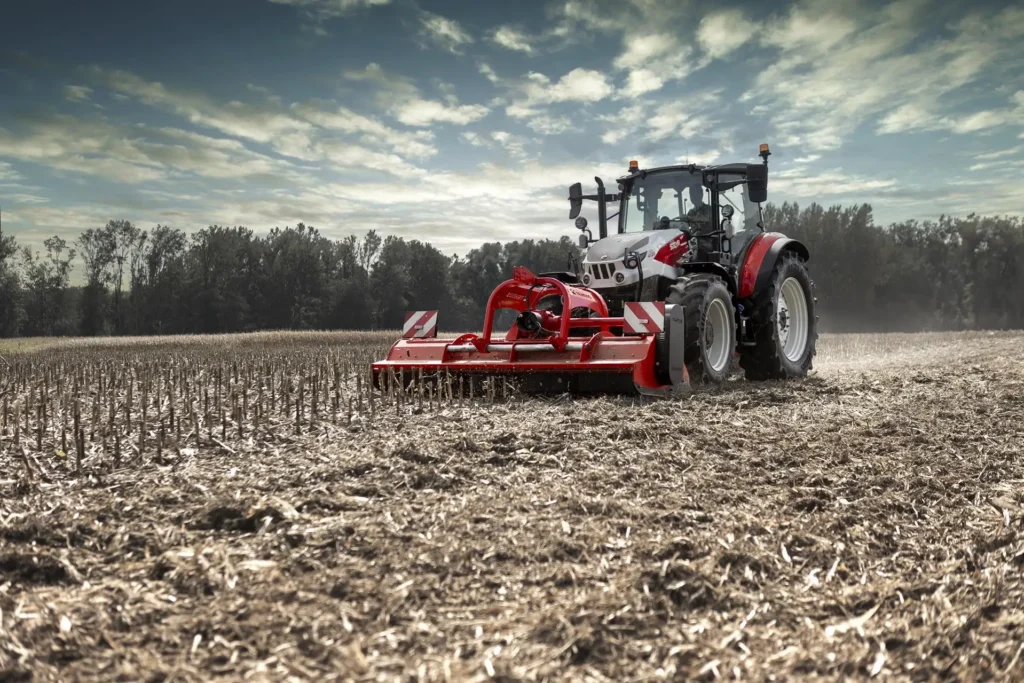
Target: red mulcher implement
(584, 352)
(689, 286)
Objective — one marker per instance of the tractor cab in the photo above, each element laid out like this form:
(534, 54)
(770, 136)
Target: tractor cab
(669, 219)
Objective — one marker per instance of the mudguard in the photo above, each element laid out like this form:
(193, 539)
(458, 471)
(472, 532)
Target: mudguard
(762, 255)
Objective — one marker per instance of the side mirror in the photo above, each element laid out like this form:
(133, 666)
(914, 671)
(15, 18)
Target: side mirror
(575, 199)
(757, 183)
(584, 241)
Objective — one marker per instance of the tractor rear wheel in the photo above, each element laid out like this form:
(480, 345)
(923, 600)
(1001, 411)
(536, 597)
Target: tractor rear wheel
(710, 335)
(785, 324)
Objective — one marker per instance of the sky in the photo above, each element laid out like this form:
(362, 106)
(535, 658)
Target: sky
(461, 121)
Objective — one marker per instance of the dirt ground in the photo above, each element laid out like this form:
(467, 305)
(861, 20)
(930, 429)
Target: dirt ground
(866, 521)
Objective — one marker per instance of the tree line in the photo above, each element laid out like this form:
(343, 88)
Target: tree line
(953, 273)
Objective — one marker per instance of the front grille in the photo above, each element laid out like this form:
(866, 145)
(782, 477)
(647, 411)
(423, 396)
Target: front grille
(602, 271)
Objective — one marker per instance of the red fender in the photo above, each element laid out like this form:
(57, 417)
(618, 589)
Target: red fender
(761, 256)
(755, 257)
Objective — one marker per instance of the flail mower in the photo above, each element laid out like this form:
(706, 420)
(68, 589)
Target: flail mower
(677, 296)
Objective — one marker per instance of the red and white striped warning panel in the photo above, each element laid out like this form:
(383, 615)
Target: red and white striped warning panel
(420, 324)
(644, 317)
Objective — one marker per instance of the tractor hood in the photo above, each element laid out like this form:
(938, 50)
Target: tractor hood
(604, 260)
(614, 247)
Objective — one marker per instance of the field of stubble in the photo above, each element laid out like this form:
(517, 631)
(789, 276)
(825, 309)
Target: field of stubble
(242, 511)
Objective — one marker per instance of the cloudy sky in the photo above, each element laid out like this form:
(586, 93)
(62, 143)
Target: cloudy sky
(459, 121)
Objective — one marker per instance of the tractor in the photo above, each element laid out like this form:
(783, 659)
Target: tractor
(689, 289)
(694, 236)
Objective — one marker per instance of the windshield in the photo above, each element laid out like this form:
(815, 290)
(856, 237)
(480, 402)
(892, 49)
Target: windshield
(671, 200)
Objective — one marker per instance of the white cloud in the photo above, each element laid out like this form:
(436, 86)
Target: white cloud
(531, 197)
(234, 118)
(417, 144)
(304, 131)
(266, 92)
(136, 154)
(420, 112)
(643, 49)
(345, 155)
(23, 198)
(581, 85)
(579, 17)
(676, 120)
(536, 90)
(701, 158)
(839, 66)
(329, 9)
(391, 85)
(998, 154)
(1002, 165)
(403, 100)
(642, 81)
(77, 93)
(915, 116)
(979, 121)
(680, 119)
(34, 222)
(444, 32)
(910, 116)
(836, 183)
(651, 60)
(813, 24)
(473, 139)
(624, 123)
(512, 144)
(67, 144)
(723, 32)
(513, 39)
(550, 125)
(488, 73)
(7, 172)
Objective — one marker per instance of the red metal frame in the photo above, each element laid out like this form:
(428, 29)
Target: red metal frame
(557, 352)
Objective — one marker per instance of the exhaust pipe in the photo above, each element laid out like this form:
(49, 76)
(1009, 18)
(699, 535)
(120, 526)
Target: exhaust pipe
(602, 210)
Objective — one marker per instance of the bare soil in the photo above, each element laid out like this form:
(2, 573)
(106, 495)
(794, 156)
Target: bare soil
(864, 521)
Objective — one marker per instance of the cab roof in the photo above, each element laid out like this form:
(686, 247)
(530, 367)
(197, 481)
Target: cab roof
(737, 168)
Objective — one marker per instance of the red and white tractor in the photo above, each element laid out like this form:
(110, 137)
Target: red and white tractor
(688, 285)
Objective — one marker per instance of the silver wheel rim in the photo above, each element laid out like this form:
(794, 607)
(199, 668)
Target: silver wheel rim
(717, 334)
(792, 319)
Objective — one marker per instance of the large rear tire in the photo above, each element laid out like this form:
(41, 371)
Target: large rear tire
(710, 335)
(785, 324)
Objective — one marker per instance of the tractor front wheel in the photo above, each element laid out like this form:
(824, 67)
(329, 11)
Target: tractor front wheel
(710, 335)
(785, 324)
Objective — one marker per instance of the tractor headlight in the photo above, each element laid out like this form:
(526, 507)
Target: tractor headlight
(619, 277)
(586, 279)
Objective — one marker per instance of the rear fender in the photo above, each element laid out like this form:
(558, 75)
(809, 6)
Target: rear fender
(762, 255)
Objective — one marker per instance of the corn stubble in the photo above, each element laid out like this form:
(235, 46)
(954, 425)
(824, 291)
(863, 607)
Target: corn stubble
(118, 403)
(249, 509)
